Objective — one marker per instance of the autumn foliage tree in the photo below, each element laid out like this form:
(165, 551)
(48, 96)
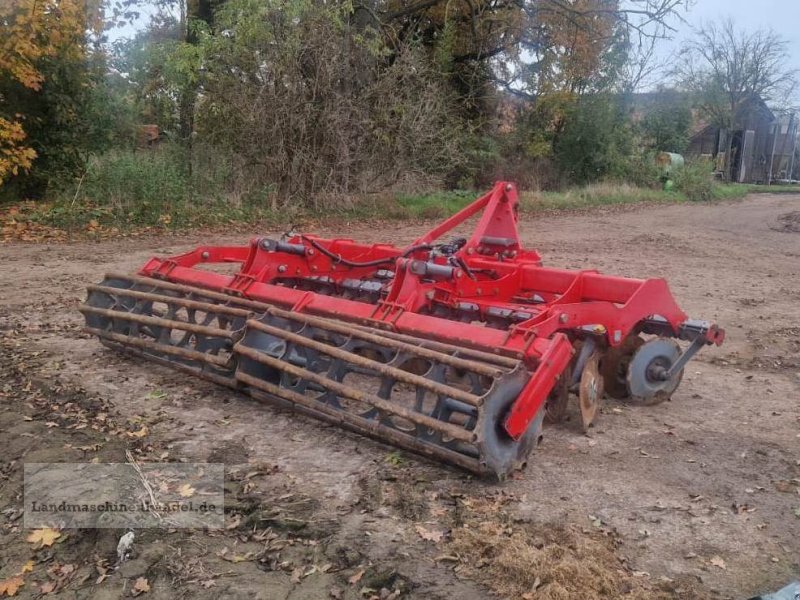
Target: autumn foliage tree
(42, 47)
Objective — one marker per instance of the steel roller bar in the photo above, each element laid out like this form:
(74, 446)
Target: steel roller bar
(457, 433)
(362, 361)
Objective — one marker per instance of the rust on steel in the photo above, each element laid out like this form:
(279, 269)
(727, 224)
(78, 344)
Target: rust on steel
(508, 358)
(357, 359)
(370, 427)
(449, 429)
(176, 300)
(158, 321)
(164, 348)
(379, 338)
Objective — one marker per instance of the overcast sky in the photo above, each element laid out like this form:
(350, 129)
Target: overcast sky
(782, 16)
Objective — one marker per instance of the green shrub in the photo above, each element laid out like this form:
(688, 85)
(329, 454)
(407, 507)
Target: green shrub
(694, 180)
(638, 170)
(137, 182)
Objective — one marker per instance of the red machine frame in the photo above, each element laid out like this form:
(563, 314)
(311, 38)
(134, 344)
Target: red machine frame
(478, 280)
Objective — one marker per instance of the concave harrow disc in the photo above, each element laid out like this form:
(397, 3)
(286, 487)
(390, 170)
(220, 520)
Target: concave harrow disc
(440, 400)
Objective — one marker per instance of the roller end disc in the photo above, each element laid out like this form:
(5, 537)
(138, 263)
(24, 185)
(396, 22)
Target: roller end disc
(499, 453)
(643, 387)
(590, 390)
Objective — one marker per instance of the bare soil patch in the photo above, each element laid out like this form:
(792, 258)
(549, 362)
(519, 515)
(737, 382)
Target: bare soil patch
(696, 498)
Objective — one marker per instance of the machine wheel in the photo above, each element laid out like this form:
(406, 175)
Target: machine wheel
(614, 367)
(500, 453)
(651, 359)
(590, 390)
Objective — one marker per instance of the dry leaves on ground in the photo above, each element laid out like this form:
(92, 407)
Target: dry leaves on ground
(44, 537)
(10, 586)
(142, 586)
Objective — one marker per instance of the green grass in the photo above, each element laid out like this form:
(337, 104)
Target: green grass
(771, 189)
(436, 204)
(598, 194)
(104, 209)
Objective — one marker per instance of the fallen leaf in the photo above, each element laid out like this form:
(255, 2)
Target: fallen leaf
(27, 567)
(44, 537)
(297, 574)
(138, 434)
(142, 586)
(186, 490)
(429, 535)
(10, 586)
(718, 562)
(354, 579)
(47, 588)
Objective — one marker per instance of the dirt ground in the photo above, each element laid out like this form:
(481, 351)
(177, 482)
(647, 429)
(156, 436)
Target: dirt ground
(695, 498)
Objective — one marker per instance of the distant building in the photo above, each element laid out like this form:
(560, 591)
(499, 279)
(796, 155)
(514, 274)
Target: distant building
(761, 149)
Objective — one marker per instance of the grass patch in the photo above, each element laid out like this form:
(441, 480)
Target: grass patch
(149, 191)
(598, 194)
(437, 204)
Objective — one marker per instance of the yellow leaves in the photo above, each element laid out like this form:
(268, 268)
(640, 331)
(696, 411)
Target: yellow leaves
(27, 567)
(10, 586)
(33, 30)
(44, 537)
(138, 434)
(13, 155)
(186, 491)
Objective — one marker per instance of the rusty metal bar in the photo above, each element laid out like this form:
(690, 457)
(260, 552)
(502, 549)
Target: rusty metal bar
(158, 321)
(363, 361)
(457, 433)
(500, 359)
(370, 427)
(164, 348)
(184, 368)
(190, 289)
(369, 336)
(177, 300)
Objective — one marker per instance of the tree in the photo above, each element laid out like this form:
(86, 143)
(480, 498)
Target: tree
(525, 41)
(43, 68)
(666, 126)
(725, 69)
(594, 139)
(310, 105)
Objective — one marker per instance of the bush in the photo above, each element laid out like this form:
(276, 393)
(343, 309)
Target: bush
(695, 180)
(133, 181)
(594, 141)
(637, 170)
(318, 110)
